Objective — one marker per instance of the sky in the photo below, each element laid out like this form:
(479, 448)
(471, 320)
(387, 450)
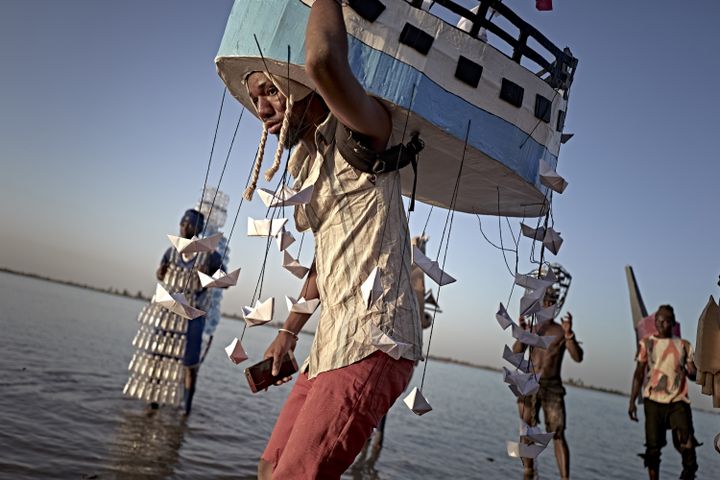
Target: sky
(107, 115)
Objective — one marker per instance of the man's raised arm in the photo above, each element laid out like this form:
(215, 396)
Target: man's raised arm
(326, 63)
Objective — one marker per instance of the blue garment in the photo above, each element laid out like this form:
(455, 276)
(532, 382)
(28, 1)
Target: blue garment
(193, 345)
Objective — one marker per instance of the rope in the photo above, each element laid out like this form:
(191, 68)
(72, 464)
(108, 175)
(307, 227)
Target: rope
(270, 172)
(427, 220)
(247, 195)
(448, 220)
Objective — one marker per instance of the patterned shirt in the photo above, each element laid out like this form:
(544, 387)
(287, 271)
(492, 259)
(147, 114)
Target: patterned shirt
(359, 223)
(667, 359)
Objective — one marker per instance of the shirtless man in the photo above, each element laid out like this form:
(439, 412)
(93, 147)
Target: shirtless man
(550, 396)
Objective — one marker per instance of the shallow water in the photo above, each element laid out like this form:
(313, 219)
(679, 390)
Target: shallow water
(64, 357)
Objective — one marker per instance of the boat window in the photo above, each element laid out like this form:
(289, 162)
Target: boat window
(468, 71)
(511, 92)
(416, 38)
(543, 108)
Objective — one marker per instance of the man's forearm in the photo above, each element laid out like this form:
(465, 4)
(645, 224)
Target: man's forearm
(637, 382)
(574, 348)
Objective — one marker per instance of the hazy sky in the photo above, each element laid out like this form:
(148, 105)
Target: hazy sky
(107, 111)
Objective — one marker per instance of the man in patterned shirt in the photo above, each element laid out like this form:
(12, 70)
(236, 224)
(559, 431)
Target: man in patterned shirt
(664, 365)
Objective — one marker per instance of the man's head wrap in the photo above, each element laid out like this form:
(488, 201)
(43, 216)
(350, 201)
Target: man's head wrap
(292, 91)
(195, 218)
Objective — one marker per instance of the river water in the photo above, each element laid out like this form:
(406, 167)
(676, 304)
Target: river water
(64, 357)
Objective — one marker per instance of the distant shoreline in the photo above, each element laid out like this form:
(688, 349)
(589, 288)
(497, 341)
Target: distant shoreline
(140, 296)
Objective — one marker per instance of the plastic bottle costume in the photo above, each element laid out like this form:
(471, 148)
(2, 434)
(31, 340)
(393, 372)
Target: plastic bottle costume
(156, 369)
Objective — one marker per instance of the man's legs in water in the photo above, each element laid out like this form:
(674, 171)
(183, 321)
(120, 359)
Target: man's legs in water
(680, 419)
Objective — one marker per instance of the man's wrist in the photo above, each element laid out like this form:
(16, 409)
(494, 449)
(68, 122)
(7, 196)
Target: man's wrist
(569, 335)
(288, 332)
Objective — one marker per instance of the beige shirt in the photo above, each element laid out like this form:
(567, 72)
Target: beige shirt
(359, 223)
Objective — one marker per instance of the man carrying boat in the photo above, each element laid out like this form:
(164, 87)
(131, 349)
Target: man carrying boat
(664, 365)
(551, 394)
(347, 384)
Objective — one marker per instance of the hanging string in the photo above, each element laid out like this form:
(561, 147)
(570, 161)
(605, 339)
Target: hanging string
(302, 239)
(212, 150)
(427, 220)
(232, 229)
(212, 204)
(257, 292)
(448, 220)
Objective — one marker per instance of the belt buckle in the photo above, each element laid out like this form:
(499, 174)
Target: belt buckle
(379, 166)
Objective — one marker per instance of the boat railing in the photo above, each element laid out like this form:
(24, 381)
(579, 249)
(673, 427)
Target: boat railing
(557, 65)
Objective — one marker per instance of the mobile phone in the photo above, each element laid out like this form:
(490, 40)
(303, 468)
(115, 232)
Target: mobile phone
(260, 377)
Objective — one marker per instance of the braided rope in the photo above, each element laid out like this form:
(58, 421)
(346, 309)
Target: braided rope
(270, 172)
(256, 168)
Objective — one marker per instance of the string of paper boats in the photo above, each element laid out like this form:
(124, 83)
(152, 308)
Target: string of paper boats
(525, 380)
(262, 311)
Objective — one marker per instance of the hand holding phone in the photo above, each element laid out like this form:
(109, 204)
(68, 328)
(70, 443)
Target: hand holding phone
(260, 377)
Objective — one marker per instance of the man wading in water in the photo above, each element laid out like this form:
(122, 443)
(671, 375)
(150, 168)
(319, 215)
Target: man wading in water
(668, 363)
(357, 218)
(551, 395)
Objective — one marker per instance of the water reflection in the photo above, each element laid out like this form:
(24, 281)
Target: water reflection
(147, 446)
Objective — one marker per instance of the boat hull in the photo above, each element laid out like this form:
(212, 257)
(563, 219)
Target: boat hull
(505, 142)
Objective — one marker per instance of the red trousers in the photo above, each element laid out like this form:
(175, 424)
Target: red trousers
(326, 421)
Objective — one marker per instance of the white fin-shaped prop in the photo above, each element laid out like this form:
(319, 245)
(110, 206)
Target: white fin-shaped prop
(195, 244)
(431, 268)
(236, 352)
(551, 179)
(416, 402)
(532, 339)
(176, 303)
(260, 314)
(286, 196)
(552, 240)
(522, 450)
(534, 233)
(284, 239)
(264, 227)
(503, 318)
(516, 359)
(301, 305)
(219, 279)
(387, 344)
(372, 287)
(293, 266)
